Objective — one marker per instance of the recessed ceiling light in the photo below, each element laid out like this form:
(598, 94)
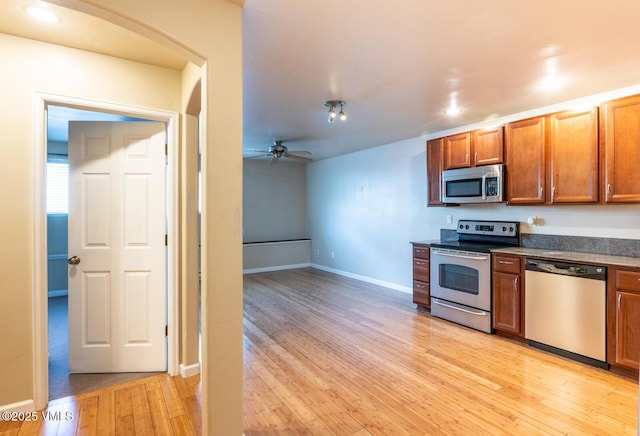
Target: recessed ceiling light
(551, 82)
(42, 14)
(453, 108)
(452, 111)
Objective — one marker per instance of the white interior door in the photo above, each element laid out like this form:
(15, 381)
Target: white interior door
(117, 227)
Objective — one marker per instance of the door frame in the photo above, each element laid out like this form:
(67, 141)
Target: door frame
(40, 336)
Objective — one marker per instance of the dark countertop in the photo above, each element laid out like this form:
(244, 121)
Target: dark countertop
(572, 256)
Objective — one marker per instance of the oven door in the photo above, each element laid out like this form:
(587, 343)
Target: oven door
(462, 277)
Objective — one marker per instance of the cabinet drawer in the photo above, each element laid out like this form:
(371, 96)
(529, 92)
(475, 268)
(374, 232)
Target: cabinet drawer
(626, 280)
(421, 270)
(508, 264)
(421, 293)
(421, 252)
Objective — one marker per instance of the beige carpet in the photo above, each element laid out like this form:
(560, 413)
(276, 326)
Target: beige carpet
(61, 383)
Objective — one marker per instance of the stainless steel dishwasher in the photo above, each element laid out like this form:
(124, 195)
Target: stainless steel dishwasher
(565, 309)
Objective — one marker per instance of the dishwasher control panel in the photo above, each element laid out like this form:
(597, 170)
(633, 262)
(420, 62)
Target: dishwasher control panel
(567, 268)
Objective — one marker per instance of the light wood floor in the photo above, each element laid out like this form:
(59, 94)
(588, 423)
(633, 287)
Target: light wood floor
(325, 354)
(330, 355)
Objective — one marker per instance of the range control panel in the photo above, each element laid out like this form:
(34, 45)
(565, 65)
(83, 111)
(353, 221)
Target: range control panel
(488, 228)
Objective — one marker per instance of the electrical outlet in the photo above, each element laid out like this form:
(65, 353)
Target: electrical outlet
(333, 255)
(449, 219)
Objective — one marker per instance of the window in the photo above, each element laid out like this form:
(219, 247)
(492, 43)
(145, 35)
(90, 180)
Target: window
(57, 185)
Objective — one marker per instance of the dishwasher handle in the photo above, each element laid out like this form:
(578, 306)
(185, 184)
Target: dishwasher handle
(566, 269)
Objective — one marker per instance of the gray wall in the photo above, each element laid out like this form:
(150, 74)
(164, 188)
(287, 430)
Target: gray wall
(274, 200)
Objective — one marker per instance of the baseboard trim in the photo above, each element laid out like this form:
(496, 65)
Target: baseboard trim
(276, 268)
(189, 370)
(383, 283)
(20, 406)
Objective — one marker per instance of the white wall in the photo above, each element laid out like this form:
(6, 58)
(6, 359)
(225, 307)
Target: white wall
(367, 206)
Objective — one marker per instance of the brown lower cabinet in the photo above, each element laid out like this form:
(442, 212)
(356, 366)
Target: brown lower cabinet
(623, 319)
(421, 287)
(508, 295)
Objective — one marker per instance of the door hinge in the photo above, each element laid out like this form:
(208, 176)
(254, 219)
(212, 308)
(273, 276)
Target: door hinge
(166, 149)
(166, 240)
(166, 330)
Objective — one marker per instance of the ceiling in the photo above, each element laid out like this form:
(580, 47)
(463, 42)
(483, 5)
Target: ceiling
(396, 64)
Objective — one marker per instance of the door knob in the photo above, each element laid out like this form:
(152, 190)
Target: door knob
(74, 260)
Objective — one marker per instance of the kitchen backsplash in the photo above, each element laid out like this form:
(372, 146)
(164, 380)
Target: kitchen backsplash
(582, 244)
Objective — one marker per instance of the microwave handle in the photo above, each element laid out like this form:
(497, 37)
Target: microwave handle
(484, 187)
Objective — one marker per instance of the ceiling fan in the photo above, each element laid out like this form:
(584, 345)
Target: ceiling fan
(278, 150)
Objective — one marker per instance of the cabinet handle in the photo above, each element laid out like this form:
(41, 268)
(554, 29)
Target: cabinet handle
(504, 262)
(541, 191)
(608, 190)
(553, 192)
(475, 158)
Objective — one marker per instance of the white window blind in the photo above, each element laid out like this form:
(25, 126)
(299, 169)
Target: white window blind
(57, 187)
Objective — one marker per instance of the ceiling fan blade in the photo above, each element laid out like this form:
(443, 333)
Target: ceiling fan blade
(300, 152)
(300, 158)
(258, 155)
(274, 160)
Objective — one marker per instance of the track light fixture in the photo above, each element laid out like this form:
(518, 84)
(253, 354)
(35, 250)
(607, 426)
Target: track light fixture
(332, 105)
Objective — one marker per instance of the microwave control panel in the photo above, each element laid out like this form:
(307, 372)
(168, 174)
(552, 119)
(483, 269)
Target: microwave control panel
(492, 187)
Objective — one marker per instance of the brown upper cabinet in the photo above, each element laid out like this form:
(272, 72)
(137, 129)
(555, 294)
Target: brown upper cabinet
(525, 149)
(573, 157)
(553, 159)
(620, 136)
(470, 149)
(434, 171)
(488, 146)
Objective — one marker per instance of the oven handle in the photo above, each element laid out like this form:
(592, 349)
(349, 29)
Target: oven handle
(471, 311)
(460, 256)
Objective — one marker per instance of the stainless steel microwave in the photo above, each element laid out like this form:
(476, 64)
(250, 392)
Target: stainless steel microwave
(484, 184)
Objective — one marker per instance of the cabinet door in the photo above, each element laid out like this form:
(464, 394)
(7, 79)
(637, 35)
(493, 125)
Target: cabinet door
(457, 151)
(525, 147)
(507, 300)
(488, 146)
(421, 270)
(627, 330)
(434, 171)
(573, 152)
(421, 295)
(621, 166)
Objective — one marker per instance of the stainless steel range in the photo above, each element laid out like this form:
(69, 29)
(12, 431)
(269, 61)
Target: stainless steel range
(461, 271)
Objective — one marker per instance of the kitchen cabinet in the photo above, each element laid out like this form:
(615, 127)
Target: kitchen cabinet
(525, 149)
(457, 151)
(623, 318)
(553, 159)
(488, 146)
(470, 149)
(573, 157)
(508, 301)
(421, 288)
(620, 135)
(434, 171)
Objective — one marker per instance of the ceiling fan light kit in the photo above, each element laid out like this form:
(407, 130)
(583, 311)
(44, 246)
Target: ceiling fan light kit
(332, 105)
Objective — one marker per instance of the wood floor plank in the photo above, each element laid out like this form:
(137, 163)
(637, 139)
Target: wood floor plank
(106, 424)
